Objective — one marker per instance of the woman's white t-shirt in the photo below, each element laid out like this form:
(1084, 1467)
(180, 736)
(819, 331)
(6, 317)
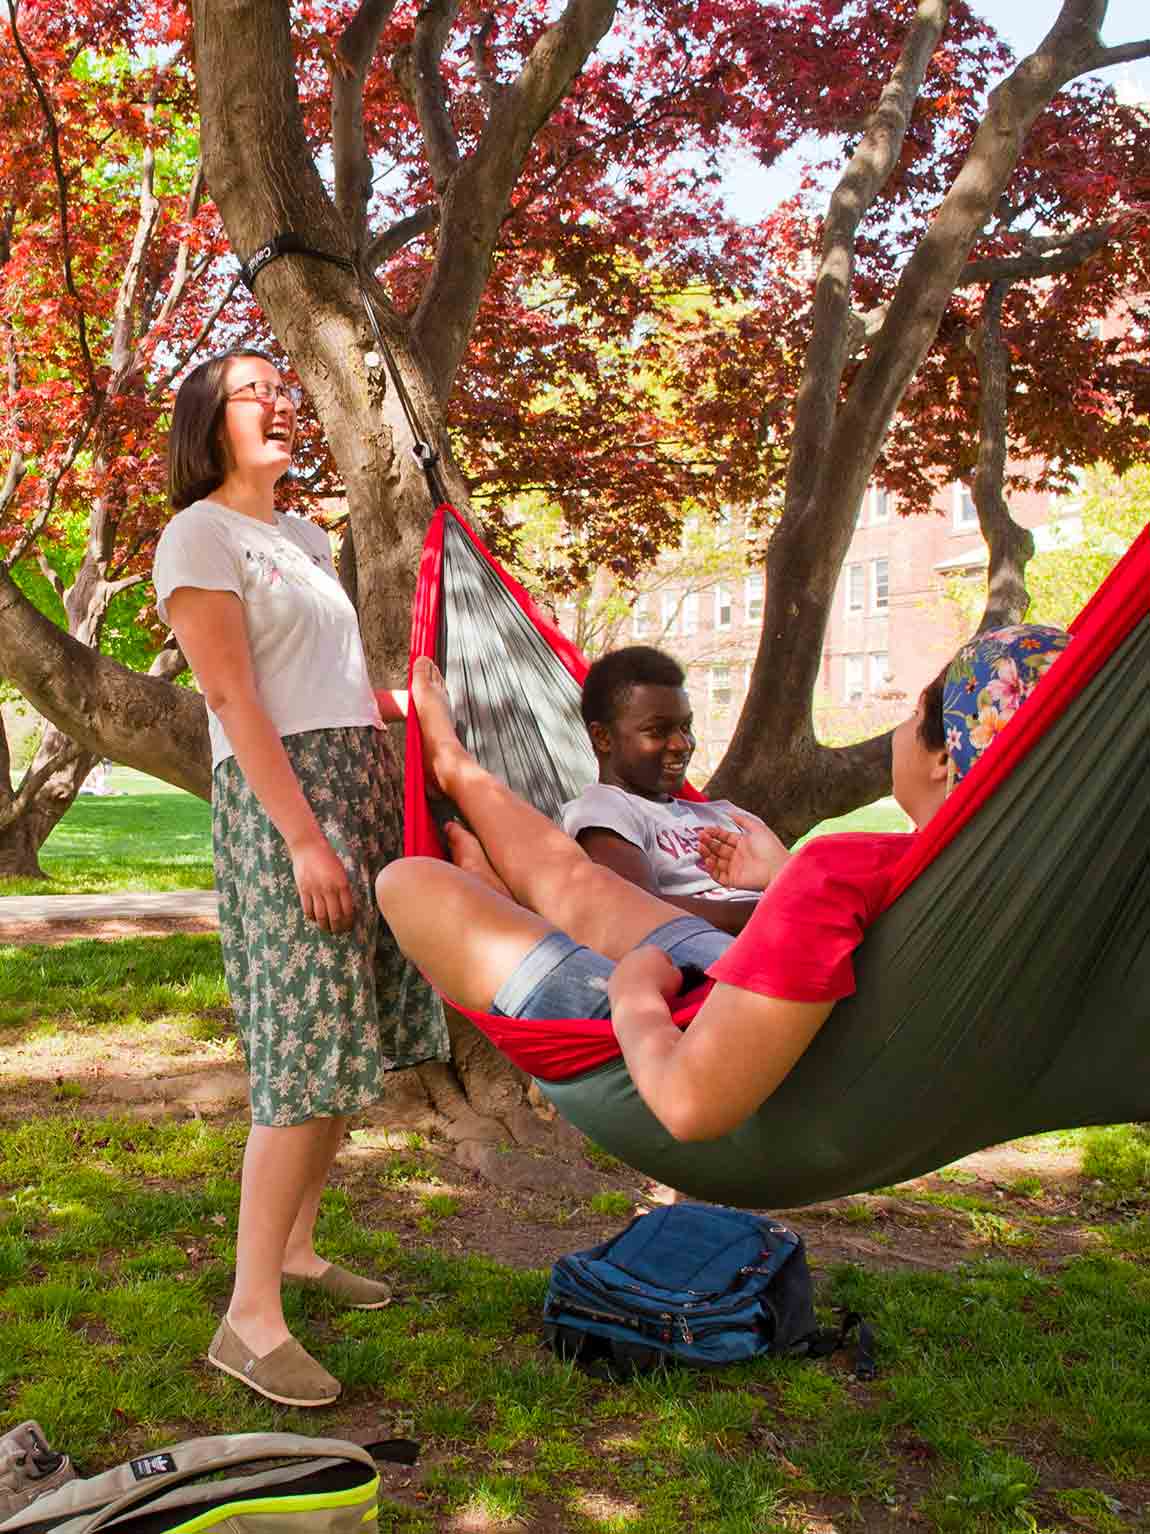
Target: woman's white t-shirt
(307, 654)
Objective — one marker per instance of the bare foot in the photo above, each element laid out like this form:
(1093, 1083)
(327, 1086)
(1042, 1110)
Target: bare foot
(466, 852)
(433, 710)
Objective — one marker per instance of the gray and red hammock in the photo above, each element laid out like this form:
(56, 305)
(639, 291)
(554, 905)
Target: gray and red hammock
(1004, 990)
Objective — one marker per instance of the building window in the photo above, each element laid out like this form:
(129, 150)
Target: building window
(852, 678)
(965, 511)
(725, 528)
(879, 671)
(879, 585)
(855, 588)
(753, 597)
(689, 615)
(880, 505)
(720, 686)
(640, 618)
(722, 607)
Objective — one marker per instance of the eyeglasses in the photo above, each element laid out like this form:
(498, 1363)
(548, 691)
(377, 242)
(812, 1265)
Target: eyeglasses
(267, 393)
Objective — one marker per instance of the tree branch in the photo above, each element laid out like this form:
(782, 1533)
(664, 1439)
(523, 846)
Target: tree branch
(480, 61)
(205, 330)
(390, 242)
(61, 191)
(476, 196)
(52, 485)
(1009, 546)
(33, 782)
(1054, 254)
(416, 67)
(182, 269)
(51, 576)
(865, 175)
(350, 62)
(1122, 53)
(123, 350)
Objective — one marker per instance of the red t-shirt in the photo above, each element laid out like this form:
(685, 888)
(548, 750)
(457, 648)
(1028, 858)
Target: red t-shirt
(799, 941)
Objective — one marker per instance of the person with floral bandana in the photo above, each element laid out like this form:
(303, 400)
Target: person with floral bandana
(526, 926)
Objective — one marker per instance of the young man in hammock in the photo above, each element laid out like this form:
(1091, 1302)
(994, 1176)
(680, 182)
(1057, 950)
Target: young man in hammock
(639, 721)
(523, 923)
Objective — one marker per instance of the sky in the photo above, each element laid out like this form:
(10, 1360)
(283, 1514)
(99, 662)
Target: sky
(752, 191)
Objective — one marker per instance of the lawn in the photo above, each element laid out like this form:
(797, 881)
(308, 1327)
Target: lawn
(149, 836)
(1012, 1311)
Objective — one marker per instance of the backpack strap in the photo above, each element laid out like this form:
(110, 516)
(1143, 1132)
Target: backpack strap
(828, 1340)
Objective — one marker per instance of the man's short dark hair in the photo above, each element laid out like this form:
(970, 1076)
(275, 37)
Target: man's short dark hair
(613, 676)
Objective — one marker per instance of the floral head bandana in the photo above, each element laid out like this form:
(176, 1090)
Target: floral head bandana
(987, 682)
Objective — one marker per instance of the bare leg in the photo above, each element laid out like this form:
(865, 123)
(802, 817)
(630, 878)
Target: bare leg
(541, 866)
(465, 936)
(281, 1166)
(300, 1256)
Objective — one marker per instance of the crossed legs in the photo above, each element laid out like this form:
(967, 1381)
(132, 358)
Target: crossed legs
(461, 924)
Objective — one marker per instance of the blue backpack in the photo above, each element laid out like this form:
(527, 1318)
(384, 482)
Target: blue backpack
(691, 1284)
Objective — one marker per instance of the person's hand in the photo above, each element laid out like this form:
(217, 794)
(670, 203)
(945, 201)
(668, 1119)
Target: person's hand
(324, 891)
(644, 972)
(747, 859)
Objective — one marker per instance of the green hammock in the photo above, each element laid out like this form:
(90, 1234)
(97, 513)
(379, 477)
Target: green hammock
(1007, 991)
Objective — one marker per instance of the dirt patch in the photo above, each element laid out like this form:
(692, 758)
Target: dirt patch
(48, 933)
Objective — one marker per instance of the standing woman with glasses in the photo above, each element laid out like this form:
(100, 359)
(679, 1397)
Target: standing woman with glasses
(303, 806)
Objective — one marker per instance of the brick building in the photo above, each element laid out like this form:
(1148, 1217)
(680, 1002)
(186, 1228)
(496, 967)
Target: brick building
(892, 623)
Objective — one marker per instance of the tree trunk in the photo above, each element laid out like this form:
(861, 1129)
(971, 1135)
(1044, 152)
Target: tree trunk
(1009, 546)
(19, 851)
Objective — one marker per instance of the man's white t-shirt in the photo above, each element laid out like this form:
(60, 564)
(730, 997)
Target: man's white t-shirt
(307, 654)
(667, 830)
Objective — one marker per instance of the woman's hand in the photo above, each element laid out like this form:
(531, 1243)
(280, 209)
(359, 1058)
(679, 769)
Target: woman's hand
(324, 891)
(747, 859)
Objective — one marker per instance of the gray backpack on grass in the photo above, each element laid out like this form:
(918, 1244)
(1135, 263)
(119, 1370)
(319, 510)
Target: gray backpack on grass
(281, 1483)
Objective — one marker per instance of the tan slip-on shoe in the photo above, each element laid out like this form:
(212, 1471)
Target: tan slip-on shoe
(29, 1468)
(288, 1375)
(356, 1292)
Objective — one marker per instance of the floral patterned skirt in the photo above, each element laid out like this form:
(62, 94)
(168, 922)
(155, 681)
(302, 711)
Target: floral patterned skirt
(322, 1017)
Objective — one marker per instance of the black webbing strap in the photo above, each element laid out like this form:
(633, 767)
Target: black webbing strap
(288, 244)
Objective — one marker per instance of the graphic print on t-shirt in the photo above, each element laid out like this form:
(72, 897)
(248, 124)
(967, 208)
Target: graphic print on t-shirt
(665, 830)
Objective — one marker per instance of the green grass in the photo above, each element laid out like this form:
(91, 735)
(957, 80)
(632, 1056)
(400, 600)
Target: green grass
(1011, 1396)
(86, 983)
(883, 815)
(150, 837)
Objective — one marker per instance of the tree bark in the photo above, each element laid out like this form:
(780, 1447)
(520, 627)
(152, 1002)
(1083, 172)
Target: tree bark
(1009, 546)
(104, 707)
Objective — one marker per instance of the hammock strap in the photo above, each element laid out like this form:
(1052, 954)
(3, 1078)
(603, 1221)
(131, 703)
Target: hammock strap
(289, 244)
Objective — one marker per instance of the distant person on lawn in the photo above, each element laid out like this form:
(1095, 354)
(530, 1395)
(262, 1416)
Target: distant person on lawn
(303, 807)
(639, 719)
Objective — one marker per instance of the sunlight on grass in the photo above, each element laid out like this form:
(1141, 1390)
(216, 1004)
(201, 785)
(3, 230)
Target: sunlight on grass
(147, 836)
(1003, 1402)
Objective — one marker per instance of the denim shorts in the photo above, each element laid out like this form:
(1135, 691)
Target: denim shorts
(561, 978)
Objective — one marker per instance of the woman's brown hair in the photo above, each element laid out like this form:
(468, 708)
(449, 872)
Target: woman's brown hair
(197, 461)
